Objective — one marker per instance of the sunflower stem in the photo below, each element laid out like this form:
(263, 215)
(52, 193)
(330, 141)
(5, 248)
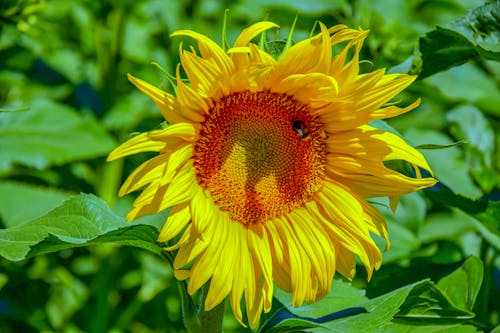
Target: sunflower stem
(488, 256)
(109, 182)
(191, 321)
(211, 320)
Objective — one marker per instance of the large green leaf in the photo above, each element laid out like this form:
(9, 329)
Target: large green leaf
(415, 304)
(17, 202)
(462, 286)
(465, 84)
(341, 296)
(445, 226)
(427, 303)
(448, 164)
(82, 220)
(487, 223)
(469, 124)
(395, 327)
(476, 34)
(419, 300)
(49, 134)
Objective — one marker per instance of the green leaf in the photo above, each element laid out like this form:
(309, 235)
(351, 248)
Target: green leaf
(462, 286)
(380, 311)
(448, 165)
(396, 327)
(486, 214)
(342, 295)
(480, 27)
(487, 223)
(445, 226)
(444, 195)
(427, 303)
(22, 202)
(49, 134)
(437, 147)
(469, 123)
(81, 221)
(474, 35)
(468, 84)
(15, 110)
(418, 303)
(129, 111)
(248, 7)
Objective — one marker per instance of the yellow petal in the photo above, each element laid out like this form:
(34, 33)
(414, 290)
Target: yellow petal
(190, 104)
(307, 56)
(205, 77)
(137, 144)
(177, 220)
(146, 173)
(249, 33)
(210, 50)
(184, 131)
(163, 100)
(241, 59)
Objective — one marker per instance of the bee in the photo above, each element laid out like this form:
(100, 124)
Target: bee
(301, 129)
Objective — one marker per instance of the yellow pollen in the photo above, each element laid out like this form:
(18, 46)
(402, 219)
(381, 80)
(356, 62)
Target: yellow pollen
(259, 155)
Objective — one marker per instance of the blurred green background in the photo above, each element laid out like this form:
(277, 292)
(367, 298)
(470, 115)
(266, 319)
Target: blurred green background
(65, 103)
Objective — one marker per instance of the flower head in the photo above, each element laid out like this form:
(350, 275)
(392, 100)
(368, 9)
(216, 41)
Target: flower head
(266, 165)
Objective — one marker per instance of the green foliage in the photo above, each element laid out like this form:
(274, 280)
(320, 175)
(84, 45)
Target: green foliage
(70, 263)
(438, 306)
(34, 141)
(475, 35)
(80, 221)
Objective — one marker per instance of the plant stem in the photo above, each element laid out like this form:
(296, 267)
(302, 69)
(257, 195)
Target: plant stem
(198, 320)
(191, 321)
(211, 321)
(488, 256)
(110, 178)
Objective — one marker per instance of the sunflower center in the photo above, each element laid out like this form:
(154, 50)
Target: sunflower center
(259, 155)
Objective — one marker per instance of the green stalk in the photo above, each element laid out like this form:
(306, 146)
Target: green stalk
(488, 256)
(108, 47)
(198, 320)
(110, 178)
(191, 321)
(211, 321)
(188, 308)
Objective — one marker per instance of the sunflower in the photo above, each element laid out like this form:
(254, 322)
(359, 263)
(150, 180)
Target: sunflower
(267, 164)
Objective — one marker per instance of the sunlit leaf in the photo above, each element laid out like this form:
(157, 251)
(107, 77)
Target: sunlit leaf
(49, 134)
(419, 302)
(449, 165)
(341, 296)
(475, 128)
(467, 84)
(442, 194)
(81, 221)
(462, 286)
(427, 303)
(445, 226)
(487, 223)
(475, 35)
(23, 202)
